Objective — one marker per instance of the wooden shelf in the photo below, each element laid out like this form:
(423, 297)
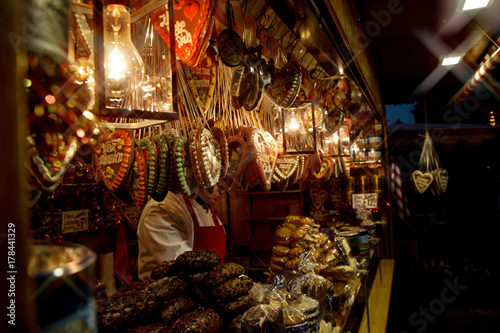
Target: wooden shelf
(262, 218)
(272, 192)
(138, 114)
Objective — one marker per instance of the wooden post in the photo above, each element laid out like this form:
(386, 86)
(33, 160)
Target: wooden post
(16, 291)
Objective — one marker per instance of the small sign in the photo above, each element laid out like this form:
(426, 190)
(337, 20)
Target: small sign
(364, 200)
(75, 221)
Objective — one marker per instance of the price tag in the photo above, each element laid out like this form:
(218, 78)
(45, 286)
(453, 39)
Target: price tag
(75, 221)
(364, 200)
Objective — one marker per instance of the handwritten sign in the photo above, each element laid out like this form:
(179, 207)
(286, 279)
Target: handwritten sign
(75, 221)
(364, 200)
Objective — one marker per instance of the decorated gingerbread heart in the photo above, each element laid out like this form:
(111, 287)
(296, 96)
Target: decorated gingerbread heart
(319, 215)
(238, 164)
(193, 21)
(336, 198)
(261, 152)
(318, 197)
(138, 179)
(113, 157)
(421, 180)
(285, 84)
(201, 81)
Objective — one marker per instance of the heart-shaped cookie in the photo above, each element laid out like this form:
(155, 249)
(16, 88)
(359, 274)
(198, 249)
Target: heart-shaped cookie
(185, 182)
(336, 198)
(286, 165)
(162, 153)
(193, 21)
(319, 215)
(261, 152)
(138, 178)
(113, 157)
(201, 80)
(285, 84)
(150, 151)
(318, 197)
(421, 180)
(440, 183)
(238, 163)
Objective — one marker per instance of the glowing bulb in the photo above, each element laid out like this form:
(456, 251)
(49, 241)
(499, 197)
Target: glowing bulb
(123, 65)
(294, 125)
(58, 272)
(335, 137)
(89, 115)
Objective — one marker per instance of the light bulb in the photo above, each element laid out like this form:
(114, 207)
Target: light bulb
(293, 124)
(123, 65)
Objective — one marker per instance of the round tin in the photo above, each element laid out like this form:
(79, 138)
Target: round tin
(64, 278)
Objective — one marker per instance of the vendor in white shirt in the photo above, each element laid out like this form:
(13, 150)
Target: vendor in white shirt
(176, 225)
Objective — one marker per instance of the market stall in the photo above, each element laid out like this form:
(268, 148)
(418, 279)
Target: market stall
(129, 103)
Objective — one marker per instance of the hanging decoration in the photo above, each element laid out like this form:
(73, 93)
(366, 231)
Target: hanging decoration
(238, 163)
(138, 178)
(286, 167)
(162, 153)
(113, 157)
(430, 171)
(201, 80)
(318, 197)
(230, 46)
(193, 24)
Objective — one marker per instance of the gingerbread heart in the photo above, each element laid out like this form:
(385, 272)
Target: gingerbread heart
(336, 199)
(319, 215)
(286, 165)
(442, 179)
(318, 197)
(285, 85)
(261, 151)
(201, 81)
(193, 21)
(238, 163)
(113, 157)
(139, 179)
(421, 180)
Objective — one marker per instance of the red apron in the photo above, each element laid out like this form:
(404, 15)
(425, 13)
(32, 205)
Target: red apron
(208, 238)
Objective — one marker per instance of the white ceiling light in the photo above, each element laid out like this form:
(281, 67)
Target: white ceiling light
(474, 4)
(450, 61)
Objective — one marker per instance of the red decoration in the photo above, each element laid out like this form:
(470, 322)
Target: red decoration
(193, 21)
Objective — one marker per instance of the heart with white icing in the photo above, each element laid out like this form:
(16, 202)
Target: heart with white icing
(336, 199)
(262, 153)
(319, 215)
(193, 22)
(421, 180)
(113, 157)
(318, 197)
(238, 163)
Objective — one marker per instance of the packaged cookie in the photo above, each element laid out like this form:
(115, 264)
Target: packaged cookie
(280, 251)
(296, 251)
(283, 234)
(295, 320)
(279, 260)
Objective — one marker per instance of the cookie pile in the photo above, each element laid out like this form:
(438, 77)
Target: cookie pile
(294, 237)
